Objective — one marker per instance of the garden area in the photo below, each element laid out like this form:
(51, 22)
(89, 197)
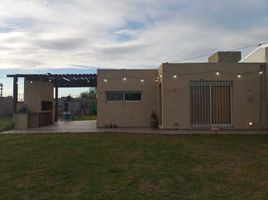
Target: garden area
(133, 166)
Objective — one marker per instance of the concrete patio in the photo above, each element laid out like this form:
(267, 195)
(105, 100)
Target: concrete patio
(90, 127)
(62, 127)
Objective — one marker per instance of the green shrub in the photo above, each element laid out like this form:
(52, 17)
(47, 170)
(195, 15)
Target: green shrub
(154, 120)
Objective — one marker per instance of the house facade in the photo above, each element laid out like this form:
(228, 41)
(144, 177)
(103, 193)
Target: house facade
(222, 93)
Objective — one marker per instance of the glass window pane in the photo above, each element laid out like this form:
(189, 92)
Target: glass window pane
(114, 96)
(133, 96)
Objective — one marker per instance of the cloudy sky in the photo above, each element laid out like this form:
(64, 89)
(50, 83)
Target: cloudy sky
(40, 36)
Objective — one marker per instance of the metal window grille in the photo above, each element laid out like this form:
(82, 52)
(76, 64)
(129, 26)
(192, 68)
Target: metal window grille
(123, 96)
(210, 103)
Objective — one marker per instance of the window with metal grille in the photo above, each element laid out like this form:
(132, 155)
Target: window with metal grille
(123, 96)
(114, 96)
(210, 102)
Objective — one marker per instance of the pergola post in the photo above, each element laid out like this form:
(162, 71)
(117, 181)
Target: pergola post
(15, 93)
(56, 104)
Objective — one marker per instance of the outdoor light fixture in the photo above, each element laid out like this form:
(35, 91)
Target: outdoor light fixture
(142, 80)
(31, 82)
(105, 80)
(49, 80)
(124, 79)
(217, 73)
(250, 123)
(175, 76)
(160, 75)
(239, 76)
(260, 72)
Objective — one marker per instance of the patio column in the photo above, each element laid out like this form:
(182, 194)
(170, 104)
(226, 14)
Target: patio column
(56, 104)
(15, 93)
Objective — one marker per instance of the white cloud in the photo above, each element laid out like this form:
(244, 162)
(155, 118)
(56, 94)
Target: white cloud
(129, 33)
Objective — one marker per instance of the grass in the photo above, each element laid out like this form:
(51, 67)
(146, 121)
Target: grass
(82, 118)
(86, 117)
(5, 123)
(129, 166)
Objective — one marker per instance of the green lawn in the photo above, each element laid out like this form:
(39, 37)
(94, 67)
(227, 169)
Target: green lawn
(81, 118)
(128, 166)
(87, 117)
(5, 123)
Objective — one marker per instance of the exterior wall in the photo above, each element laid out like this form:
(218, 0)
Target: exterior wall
(36, 92)
(260, 55)
(223, 56)
(21, 121)
(127, 114)
(176, 92)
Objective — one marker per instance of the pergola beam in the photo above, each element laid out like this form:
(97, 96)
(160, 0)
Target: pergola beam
(15, 93)
(63, 80)
(56, 105)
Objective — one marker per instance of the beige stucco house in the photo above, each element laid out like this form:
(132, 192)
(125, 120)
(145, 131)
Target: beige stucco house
(225, 92)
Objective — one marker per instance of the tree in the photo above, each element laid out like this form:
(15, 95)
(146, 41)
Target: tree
(91, 95)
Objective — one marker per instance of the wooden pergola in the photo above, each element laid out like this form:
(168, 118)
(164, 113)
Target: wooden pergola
(58, 81)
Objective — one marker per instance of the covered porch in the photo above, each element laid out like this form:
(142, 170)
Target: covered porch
(40, 106)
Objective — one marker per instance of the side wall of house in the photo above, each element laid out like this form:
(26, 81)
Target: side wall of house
(122, 113)
(266, 84)
(248, 92)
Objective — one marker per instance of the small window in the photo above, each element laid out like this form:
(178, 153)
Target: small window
(123, 96)
(133, 96)
(114, 96)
